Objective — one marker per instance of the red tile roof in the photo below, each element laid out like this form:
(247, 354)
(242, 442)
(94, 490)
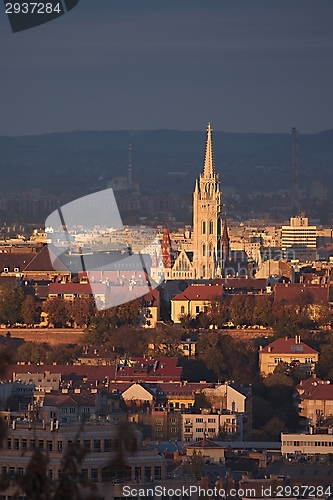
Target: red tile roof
(200, 292)
(243, 283)
(290, 292)
(321, 391)
(288, 346)
(309, 384)
(42, 262)
(13, 261)
(77, 288)
(135, 369)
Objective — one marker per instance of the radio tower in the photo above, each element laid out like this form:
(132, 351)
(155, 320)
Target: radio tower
(129, 178)
(294, 185)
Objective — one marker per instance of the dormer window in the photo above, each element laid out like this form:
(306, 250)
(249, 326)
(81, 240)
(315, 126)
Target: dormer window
(5, 269)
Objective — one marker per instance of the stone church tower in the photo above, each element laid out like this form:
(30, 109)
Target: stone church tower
(207, 222)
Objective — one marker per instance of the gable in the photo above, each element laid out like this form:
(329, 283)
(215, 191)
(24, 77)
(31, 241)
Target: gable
(137, 393)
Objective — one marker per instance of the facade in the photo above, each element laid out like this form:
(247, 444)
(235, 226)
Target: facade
(299, 240)
(207, 222)
(306, 444)
(235, 405)
(208, 449)
(195, 299)
(315, 400)
(106, 442)
(287, 350)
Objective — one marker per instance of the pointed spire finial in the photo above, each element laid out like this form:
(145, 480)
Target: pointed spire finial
(209, 169)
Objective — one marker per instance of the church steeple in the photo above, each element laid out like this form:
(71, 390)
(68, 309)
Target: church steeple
(207, 223)
(225, 242)
(209, 169)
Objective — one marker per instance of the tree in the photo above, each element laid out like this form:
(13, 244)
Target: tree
(238, 310)
(62, 355)
(31, 352)
(262, 312)
(218, 312)
(11, 299)
(57, 311)
(29, 310)
(81, 310)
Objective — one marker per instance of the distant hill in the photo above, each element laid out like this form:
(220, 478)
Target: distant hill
(81, 161)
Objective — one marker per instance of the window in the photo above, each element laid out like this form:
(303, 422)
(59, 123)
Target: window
(64, 410)
(16, 444)
(41, 444)
(84, 473)
(182, 310)
(49, 445)
(86, 444)
(308, 360)
(204, 250)
(9, 443)
(72, 410)
(199, 429)
(24, 444)
(59, 446)
(199, 420)
(211, 227)
(211, 420)
(20, 470)
(97, 445)
(147, 473)
(50, 474)
(107, 445)
(86, 410)
(277, 360)
(197, 309)
(158, 472)
(137, 472)
(117, 444)
(94, 475)
(32, 444)
(203, 227)
(211, 430)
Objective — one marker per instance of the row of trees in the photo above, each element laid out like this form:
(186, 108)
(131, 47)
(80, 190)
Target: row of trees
(247, 310)
(16, 307)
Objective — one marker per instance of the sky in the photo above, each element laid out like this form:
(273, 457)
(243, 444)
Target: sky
(244, 65)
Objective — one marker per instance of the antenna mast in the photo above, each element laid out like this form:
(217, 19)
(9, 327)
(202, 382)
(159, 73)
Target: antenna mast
(294, 185)
(129, 178)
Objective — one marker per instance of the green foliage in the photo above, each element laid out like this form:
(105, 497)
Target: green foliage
(62, 355)
(58, 311)
(262, 311)
(31, 352)
(195, 464)
(81, 310)
(11, 299)
(201, 401)
(29, 310)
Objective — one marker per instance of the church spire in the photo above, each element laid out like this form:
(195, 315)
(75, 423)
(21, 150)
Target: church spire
(209, 170)
(225, 242)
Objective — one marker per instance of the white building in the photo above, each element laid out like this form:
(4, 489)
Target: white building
(306, 444)
(298, 239)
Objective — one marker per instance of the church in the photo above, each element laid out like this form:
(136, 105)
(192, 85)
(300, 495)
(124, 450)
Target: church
(208, 250)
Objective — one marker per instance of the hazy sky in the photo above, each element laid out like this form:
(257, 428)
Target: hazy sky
(246, 66)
